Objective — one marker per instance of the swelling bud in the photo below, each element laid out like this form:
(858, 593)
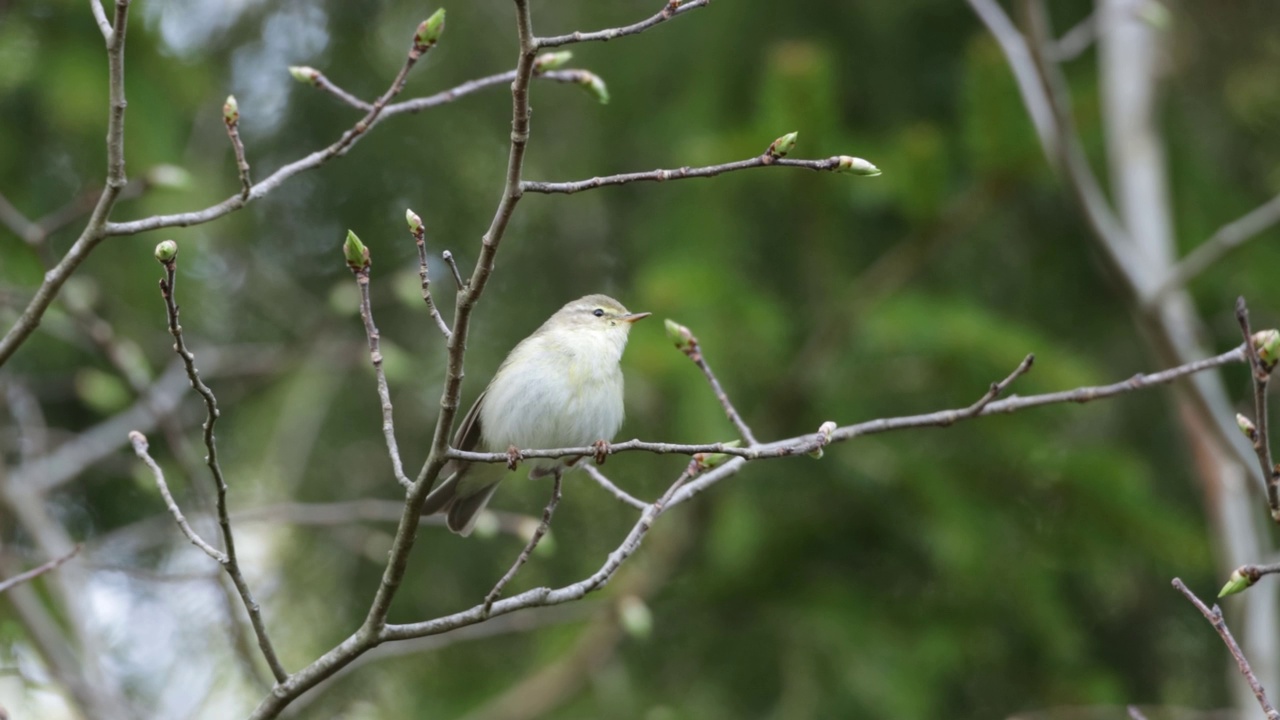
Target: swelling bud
(1247, 427)
(551, 61)
(1237, 583)
(356, 254)
(231, 111)
(166, 251)
(783, 145)
(415, 222)
(856, 166)
(680, 335)
(595, 86)
(1267, 343)
(304, 74)
(430, 30)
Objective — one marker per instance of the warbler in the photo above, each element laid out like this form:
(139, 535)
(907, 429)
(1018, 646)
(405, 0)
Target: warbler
(560, 387)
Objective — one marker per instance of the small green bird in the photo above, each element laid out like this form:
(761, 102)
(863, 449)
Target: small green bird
(560, 387)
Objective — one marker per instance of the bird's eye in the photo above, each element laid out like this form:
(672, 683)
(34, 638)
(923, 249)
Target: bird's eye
(598, 312)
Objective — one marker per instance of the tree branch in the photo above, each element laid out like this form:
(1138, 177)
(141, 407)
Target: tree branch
(687, 343)
(139, 442)
(37, 571)
(1222, 241)
(543, 526)
(231, 118)
(1260, 435)
(840, 163)
(1214, 616)
(419, 233)
(671, 9)
(229, 562)
(375, 355)
(604, 482)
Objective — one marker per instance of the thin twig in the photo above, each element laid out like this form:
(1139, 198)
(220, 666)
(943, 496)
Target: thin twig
(230, 562)
(384, 394)
(419, 232)
(231, 118)
(543, 526)
(36, 571)
(998, 387)
(1260, 435)
(831, 164)
(317, 78)
(670, 9)
(607, 484)
(1222, 241)
(689, 346)
(453, 267)
(139, 442)
(1214, 616)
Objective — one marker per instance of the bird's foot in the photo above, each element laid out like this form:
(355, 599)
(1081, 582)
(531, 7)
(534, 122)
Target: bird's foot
(514, 457)
(602, 451)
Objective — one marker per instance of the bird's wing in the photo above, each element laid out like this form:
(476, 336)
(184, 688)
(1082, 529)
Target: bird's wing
(466, 438)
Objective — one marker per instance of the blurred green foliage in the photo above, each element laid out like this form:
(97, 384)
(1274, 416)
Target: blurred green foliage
(1007, 564)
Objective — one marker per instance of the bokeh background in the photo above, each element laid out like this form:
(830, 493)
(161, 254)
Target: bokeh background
(1016, 565)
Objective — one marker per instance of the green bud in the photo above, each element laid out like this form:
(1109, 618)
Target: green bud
(1246, 426)
(635, 617)
(1267, 343)
(415, 222)
(595, 86)
(680, 335)
(825, 430)
(703, 462)
(782, 145)
(856, 166)
(231, 111)
(166, 251)
(1237, 583)
(551, 61)
(356, 254)
(304, 74)
(430, 30)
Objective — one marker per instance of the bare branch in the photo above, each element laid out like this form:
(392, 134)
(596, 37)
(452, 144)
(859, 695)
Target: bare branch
(613, 489)
(231, 118)
(671, 9)
(1222, 241)
(1259, 435)
(36, 571)
(831, 164)
(419, 233)
(139, 442)
(453, 266)
(543, 526)
(230, 562)
(318, 79)
(375, 354)
(1214, 616)
(569, 77)
(687, 343)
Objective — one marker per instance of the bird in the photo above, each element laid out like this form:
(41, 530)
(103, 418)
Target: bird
(560, 387)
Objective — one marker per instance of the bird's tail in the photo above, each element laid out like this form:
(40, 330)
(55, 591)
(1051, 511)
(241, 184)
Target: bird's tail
(462, 505)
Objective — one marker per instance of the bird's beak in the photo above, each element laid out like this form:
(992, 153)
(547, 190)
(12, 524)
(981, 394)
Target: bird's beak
(632, 317)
